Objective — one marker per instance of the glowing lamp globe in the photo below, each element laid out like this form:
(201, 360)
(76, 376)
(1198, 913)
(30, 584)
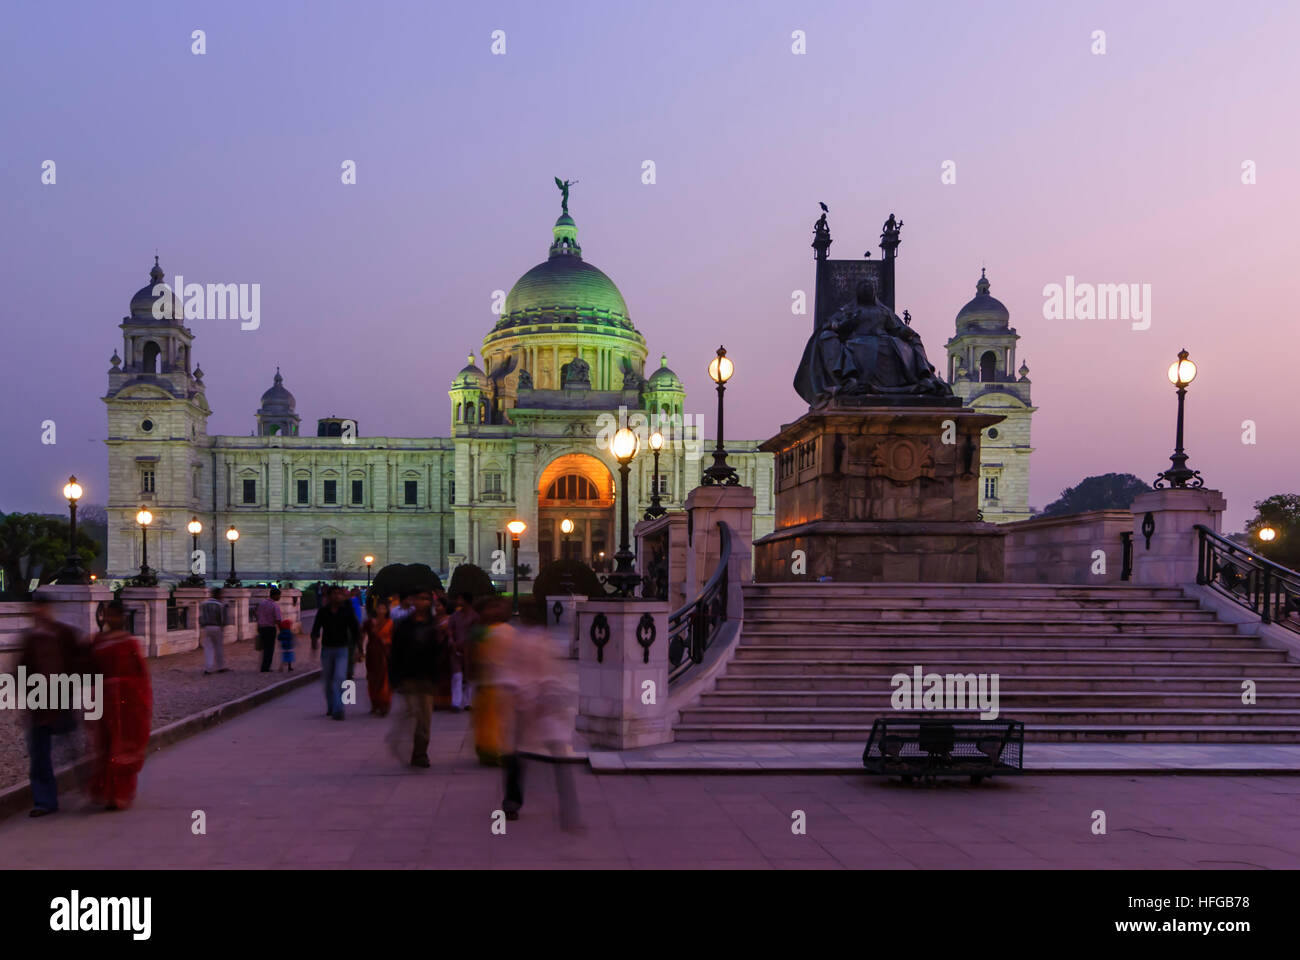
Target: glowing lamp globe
(1182, 371)
(144, 517)
(194, 527)
(232, 535)
(624, 445)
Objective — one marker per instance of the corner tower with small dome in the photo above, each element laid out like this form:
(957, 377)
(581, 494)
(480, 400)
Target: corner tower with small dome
(981, 358)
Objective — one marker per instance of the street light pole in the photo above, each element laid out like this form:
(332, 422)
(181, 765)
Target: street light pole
(720, 474)
(73, 571)
(232, 535)
(195, 528)
(516, 528)
(146, 576)
(1181, 373)
(624, 578)
(656, 508)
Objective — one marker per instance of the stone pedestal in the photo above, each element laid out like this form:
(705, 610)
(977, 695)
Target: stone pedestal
(705, 508)
(149, 604)
(661, 552)
(238, 602)
(291, 606)
(623, 686)
(880, 493)
(1170, 558)
(75, 604)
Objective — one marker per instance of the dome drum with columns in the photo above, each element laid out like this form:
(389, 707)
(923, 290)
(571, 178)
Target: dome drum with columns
(526, 419)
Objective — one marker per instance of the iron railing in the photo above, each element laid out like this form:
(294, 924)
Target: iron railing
(695, 626)
(1269, 589)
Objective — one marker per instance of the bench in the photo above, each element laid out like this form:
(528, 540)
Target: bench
(911, 747)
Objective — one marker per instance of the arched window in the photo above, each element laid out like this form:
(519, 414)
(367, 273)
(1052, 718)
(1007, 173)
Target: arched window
(988, 366)
(460, 408)
(572, 486)
(149, 362)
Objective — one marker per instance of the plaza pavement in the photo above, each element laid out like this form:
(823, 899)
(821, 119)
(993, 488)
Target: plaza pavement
(284, 787)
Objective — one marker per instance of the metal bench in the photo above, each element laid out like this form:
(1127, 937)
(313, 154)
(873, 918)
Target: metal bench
(911, 747)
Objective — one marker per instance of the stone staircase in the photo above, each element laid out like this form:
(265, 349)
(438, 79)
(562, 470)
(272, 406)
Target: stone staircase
(1117, 664)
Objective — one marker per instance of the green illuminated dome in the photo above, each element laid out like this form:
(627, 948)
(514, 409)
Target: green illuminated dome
(565, 289)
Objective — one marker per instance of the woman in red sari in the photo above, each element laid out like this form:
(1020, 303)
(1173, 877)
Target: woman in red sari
(122, 731)
(379, 643)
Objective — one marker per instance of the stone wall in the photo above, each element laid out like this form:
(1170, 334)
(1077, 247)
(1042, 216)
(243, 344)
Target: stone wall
(1063, 549)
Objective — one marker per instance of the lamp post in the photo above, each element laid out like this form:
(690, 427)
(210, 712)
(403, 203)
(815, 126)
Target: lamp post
(656, 508)
(73, 571)
(1181, 373)
(232, 535)
(369, 560)
(146, 577)
(624, 578)
(566, 581)
(516, 528)
(195, 528)
(720, 371)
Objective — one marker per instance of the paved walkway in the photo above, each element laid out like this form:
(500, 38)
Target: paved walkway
(796, 757)
(282, 786)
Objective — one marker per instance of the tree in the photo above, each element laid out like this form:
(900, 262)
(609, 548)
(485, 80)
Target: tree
(1109, 491)
(35, 546)
(471, 579)
(1281, 512)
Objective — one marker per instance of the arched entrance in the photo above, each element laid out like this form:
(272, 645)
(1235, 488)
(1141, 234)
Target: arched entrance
(578, 487)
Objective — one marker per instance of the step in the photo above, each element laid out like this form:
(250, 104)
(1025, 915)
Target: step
(979, 641)
(1086, 714)
(1111, 682)
(1036, 733)
(990, 609)
(929, 653)
(824, 623)
(1027, 590)
(1013, 666)
(879, 698)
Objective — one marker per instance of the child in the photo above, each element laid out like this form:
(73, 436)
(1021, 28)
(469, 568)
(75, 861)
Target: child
(286, 644)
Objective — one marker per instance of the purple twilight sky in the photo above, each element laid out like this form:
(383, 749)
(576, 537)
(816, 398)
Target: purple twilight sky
(1123, 167)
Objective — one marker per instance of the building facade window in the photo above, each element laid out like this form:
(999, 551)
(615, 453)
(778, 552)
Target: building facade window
(990, 488)
(411, 490)
(451, 545)
(250, 491)
(329, 550)
(146, 480)
(572, 487)
(491, 483)
(358, 493)
(331, 491)
(304, 492)
(451, 491)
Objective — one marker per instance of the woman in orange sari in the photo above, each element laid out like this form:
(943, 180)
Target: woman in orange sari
(122, 732)
(379, 643)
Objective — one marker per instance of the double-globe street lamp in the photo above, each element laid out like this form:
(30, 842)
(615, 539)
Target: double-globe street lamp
(232, 535)
(1181, 373)
(516, 528)
(624, 578)
(73, 571)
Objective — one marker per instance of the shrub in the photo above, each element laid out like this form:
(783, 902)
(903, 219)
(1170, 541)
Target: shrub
(471, 579)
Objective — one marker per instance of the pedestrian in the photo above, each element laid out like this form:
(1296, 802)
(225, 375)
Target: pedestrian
(49, 649)
(487, 658)
(268, 620)
(378, 633)
(536, 709)
(417, 655)
(212, 624)
(354, 598)
(463, 623)
(399, 607)
(338, 632)
(286, 644)
(122, 731)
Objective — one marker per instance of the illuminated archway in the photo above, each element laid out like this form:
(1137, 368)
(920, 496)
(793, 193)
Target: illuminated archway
(579, 487)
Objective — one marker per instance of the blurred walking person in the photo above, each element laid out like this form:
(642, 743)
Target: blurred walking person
(122, 732)
(49, 649)
(418, 658)
(464, 621)
(536, 710)
(212, 623)
(339, 634)
(378, 634)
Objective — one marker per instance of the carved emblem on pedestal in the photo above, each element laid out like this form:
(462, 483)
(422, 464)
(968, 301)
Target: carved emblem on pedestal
(901, 459)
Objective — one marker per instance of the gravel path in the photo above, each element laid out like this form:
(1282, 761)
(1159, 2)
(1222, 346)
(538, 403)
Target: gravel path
(179, 690)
